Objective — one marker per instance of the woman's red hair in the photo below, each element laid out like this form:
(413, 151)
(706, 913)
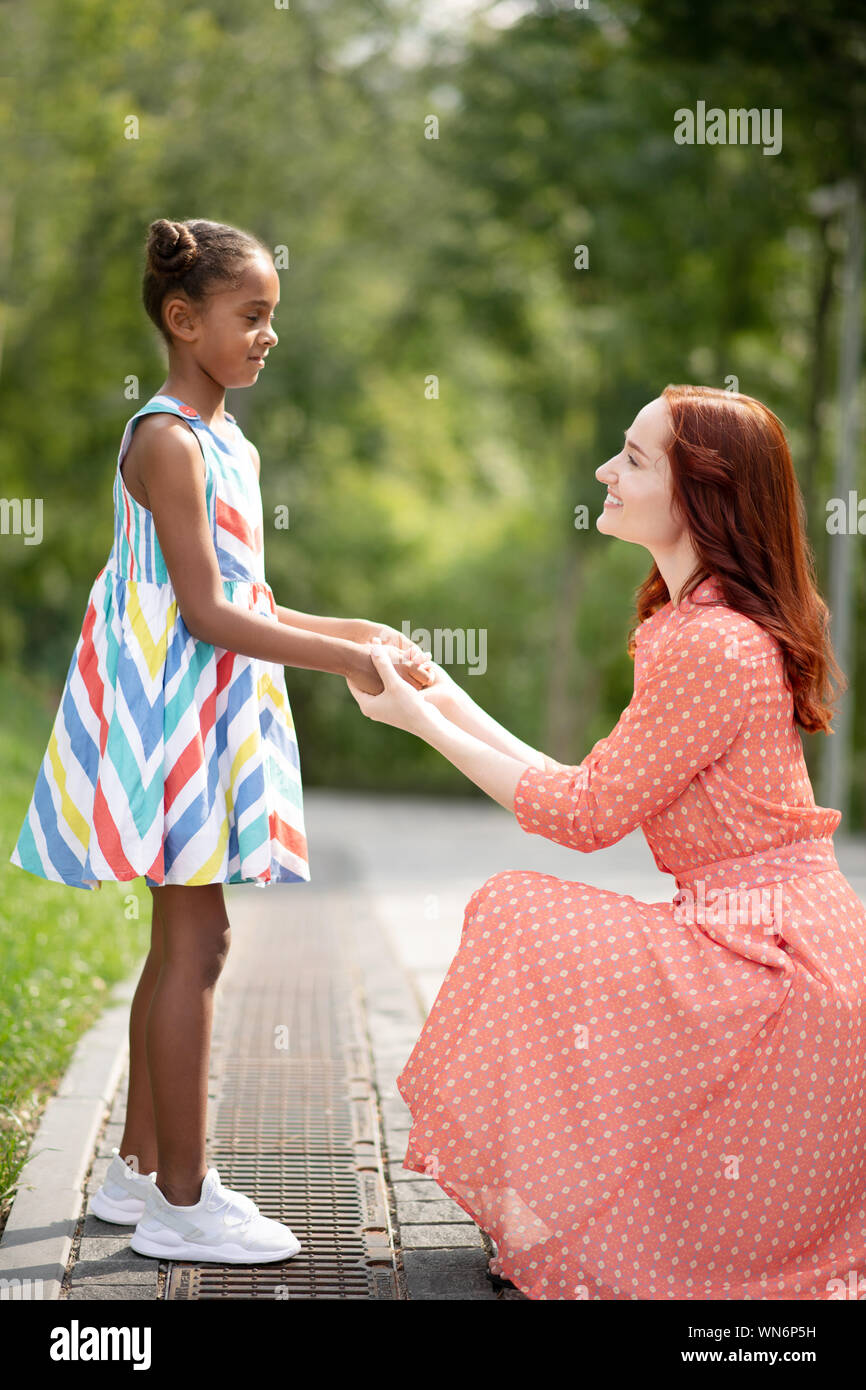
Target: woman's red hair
(735, 489)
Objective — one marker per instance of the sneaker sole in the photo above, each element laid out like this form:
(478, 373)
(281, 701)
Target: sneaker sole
(117, 1213)
(228, 1254)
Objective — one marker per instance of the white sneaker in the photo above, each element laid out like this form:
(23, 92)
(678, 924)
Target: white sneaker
(223, 1227)
(121, 1197)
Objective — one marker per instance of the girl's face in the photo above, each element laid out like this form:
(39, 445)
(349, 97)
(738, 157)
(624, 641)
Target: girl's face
(639, 478)
(230, 333)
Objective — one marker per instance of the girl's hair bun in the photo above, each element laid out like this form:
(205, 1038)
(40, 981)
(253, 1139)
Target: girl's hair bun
(171, 247)
(193, 258)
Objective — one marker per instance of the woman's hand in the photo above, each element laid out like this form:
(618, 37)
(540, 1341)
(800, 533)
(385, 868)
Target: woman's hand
(364, 674)
(363, 632)
(400, 704)
(443, 692)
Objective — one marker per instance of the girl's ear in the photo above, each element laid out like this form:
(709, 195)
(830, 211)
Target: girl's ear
(178, 316)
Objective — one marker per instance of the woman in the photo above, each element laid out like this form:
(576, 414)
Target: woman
(665, 1100)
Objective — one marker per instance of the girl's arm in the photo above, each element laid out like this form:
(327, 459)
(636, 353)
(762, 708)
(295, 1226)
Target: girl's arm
(316, 622)
(350, 629)
(171, 474)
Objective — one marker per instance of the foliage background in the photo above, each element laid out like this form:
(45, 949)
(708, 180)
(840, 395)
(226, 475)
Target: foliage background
(409, 257)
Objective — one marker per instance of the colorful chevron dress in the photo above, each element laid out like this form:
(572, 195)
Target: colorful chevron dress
(169, 757)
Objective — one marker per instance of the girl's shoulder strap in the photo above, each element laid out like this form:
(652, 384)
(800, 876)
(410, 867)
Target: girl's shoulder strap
(163, 405)
(170, 405)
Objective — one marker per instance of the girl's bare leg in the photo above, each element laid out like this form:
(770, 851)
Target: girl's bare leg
(139, 1133)
(195, 942)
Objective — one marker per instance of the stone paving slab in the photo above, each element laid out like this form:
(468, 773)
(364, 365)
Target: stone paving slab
(110, 1293)
(435, 1211)
(441, 1236)
(450, 1273)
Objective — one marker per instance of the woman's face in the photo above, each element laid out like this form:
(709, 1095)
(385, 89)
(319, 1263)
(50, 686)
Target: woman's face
(639, 477)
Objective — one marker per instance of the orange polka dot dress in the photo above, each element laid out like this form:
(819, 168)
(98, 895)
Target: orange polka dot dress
(665, 1100)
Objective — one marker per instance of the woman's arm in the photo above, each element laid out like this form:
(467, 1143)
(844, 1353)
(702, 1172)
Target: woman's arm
(685, 714)
(495, 771)
(170, 472)
(459, 707)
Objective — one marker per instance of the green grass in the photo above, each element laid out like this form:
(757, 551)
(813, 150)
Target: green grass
(61, 948)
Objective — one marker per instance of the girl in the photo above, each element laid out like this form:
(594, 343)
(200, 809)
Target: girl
(652, 1100)
(173, 754)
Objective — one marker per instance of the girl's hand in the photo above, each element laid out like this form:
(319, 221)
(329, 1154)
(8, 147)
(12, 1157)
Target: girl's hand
(364, 632)
(363, 672)
(399, 704)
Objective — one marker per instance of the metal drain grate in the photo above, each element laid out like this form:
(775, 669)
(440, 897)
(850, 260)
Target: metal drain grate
(294, 1126)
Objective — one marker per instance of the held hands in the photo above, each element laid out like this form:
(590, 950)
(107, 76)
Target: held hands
(366, 676)
(399, 702)
(409, 661)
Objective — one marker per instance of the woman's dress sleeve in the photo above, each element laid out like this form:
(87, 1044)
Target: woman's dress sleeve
(684, 714)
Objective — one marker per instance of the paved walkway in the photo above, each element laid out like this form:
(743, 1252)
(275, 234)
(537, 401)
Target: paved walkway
(324, 993)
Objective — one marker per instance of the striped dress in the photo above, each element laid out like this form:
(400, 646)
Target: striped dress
(169, 757)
